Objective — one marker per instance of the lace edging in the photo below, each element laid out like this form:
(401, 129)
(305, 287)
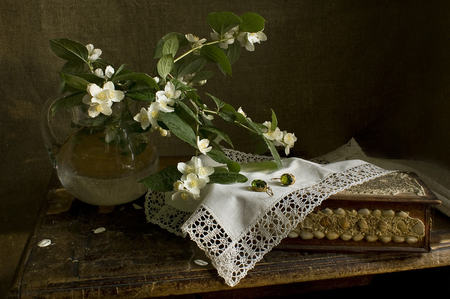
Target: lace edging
(234, 258)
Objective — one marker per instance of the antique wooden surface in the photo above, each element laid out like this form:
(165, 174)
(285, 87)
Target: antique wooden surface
(132, 258)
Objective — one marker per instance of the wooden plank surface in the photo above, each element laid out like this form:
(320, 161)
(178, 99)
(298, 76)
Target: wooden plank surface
(133, 258)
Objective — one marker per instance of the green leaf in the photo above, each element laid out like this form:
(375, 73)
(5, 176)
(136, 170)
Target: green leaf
(190, 65)
(219, 156)
(186, 109)
(67, 102)
(74, 81)
(146, 96)
(171, 46)
(182, 41)
(228, 113)
(163, 180)
(214, 54)
(69, 50)
(219, 132)
(226, 177)
(203, 75)
(219, 103)
(165, 65)
(273, 151)
(274, 123)
(252, 22)
(233, 52)
(74, 67)
(179, 127)
(262, 166)
(234, 167)
(137, 77)
(222, 22)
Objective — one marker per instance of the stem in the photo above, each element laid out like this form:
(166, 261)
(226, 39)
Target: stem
(235, 122)
(200, 46)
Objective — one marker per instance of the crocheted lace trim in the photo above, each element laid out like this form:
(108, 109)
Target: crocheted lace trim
(234, 258)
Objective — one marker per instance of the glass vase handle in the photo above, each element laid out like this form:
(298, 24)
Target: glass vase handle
(47, 125)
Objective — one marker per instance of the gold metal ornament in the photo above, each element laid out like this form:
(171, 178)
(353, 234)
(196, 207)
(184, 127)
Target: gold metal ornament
(286, 179)
(261, 186)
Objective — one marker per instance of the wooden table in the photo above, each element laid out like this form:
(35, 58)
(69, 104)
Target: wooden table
(133, 258)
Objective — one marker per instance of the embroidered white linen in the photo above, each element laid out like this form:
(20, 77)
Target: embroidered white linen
(237, 226)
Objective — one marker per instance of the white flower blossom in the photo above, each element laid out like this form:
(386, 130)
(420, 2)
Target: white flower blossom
(193, 183)
(183, 194)
(248, 39)
(93, 54)
(95, 108)
(101, 99)
(143, 118)
(203, 145)
(163, 132)
(225, 39)
(242, 112)
(195, 42)
(165, 103)
(109, 71)
(110, 134)
(169, 92)
(153, 112)
(289, 140)
(276, 136)
(195, 165)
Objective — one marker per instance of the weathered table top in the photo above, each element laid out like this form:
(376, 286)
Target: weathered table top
(133, 258)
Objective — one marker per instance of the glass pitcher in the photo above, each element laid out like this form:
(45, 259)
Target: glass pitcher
(98, 161)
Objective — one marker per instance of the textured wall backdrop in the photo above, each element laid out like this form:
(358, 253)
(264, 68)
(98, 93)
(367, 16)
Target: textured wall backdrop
(375, 70)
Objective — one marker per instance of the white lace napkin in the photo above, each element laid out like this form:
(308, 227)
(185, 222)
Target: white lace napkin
(237, 226)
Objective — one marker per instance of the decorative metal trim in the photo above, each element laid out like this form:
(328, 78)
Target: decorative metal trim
(370, 225)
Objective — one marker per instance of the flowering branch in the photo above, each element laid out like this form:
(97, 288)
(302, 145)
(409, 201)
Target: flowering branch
(169, 102)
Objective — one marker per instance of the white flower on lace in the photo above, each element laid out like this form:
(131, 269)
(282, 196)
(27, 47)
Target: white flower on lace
(248, 39)
(195, 165)
(143, 118)
(186, 168)
(183, 194)
(225, 39)
(93, 54)
(193, 183)
(203, 145)
(289, 139)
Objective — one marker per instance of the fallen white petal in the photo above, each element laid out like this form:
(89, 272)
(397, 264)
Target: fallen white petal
(44, 243)
(99, 230)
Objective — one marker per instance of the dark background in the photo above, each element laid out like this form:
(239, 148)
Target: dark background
(374, 70)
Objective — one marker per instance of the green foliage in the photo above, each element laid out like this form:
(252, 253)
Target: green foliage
(163, 180)
(191, 119)
(214, 54)
(69, 50)
(222, 22)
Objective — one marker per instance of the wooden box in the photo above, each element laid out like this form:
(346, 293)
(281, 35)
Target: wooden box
(390, 213)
